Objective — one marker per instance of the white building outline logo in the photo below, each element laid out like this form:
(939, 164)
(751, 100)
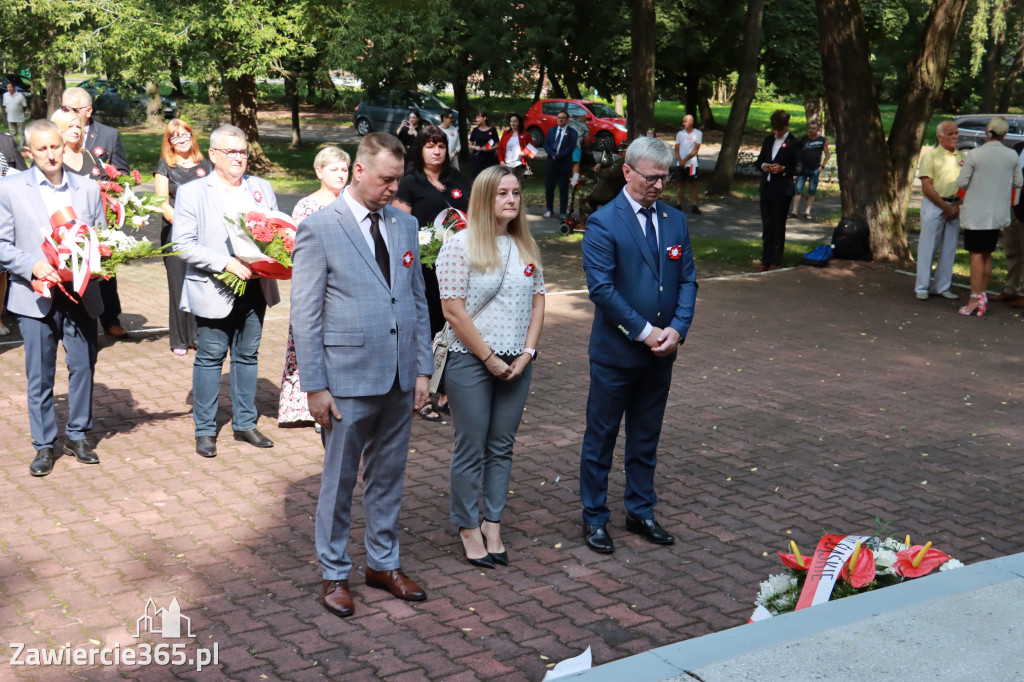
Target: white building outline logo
(165, 622)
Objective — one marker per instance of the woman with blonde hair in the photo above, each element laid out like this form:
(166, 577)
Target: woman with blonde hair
(492, 293)
(72, 130)
(180, 162)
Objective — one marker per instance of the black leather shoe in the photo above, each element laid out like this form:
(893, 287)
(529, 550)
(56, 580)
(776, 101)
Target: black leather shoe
(598, 539)
(650, 529)
(206, 446)
(254, 437)
(43, 463)
(80, 449)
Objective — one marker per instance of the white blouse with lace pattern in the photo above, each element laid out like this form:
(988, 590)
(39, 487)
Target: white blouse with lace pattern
(503, 324)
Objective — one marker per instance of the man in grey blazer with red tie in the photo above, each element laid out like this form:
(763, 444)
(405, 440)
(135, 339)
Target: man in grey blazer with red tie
(362, 341)
(223, 321)
(28, 201)
(641, 277)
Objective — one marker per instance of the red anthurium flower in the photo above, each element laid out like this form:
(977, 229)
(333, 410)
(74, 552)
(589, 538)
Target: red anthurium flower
(791, 561)
(864, 572)
(933, 558)
(407, 258)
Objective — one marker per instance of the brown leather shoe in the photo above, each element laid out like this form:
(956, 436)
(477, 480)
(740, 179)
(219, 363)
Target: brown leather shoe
(395, 582)
(338, 598)
(117, 331)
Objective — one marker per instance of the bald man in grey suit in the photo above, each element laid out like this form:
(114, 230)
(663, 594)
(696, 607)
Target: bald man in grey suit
(27, 202)
(362, 341)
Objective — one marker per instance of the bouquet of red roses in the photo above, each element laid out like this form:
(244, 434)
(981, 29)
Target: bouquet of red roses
(125, 208)
(265, 242)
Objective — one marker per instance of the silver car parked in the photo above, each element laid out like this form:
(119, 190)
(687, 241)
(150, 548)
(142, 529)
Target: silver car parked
(386, 111)
(972, 130)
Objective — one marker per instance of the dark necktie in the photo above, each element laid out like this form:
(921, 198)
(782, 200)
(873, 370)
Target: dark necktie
(3, 166)
(561, 134)
(380, 249)
(652, 238)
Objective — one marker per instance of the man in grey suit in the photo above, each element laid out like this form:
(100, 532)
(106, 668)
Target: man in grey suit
(203, 234)
(362, 341)
(27, 202)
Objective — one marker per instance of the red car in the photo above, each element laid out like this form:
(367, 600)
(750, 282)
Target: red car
(607, 128)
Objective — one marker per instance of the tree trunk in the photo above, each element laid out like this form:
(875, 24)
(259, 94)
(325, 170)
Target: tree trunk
(460, 90)
(291, 95)
(813, 109)
(642, 46)
(556, 88)
(242, 101)
(746, 86)
(572, 86)
(175, 67)
(154, 108)
(212, 86)
(539, 90)
(993, 58)
(692, 83)
(861, 150)
(54, 89)
(707, 117)
(1011, 78)
(926, 76)
(620, 108)
(37, 104)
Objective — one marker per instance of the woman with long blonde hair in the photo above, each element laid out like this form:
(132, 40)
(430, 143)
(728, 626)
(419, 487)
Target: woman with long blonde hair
(492, 294)
(72, 130)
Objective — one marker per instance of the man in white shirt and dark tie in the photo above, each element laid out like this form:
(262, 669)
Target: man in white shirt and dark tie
(559, 145)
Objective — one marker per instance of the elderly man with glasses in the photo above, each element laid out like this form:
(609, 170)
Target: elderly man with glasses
(641, 277)
(224, 322)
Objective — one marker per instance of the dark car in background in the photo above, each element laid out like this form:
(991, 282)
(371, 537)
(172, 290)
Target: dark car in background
(19, 84)
(114, 101)
(607, 128)
(385, 111)
(972, 130)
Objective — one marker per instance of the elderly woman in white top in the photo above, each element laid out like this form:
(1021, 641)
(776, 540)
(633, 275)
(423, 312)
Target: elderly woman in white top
(492, 293)
(988, 175)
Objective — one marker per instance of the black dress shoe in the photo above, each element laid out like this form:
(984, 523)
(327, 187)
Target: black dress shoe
(80, 449)
(650, 529)
(483, 562)
(43, 463)
(598, 539)
(206, 446)
(254, 437)
(500, 558)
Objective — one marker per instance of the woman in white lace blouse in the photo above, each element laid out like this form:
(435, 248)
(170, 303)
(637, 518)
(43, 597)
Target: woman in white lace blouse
(492, 293)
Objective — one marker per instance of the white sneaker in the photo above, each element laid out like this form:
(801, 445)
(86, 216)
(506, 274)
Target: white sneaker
(922, 295)
(547, 214)
(949, 295)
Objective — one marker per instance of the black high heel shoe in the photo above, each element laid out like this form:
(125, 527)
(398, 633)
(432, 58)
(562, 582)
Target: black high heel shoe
(500, 558)
(485, 561)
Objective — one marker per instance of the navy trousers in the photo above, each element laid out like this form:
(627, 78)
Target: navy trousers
(68, 323)
(558, 172)
(639, 393)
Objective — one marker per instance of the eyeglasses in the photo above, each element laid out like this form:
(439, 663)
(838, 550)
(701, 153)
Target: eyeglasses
(183, 137)
(232, 153)
(651, 179)
(67, 110)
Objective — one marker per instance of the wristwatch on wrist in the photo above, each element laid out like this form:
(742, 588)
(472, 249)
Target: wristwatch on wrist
(532, 352)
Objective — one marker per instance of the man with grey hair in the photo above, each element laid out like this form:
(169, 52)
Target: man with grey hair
(207, 239)
(45, 196)
(105, 144)
(940, 213)
(641, 277)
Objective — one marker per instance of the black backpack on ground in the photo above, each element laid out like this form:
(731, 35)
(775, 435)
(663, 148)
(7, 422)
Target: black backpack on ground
(852, 240)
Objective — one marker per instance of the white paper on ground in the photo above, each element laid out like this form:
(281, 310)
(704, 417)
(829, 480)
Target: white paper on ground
(569, 666)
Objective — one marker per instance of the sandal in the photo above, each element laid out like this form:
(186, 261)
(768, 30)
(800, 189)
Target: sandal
(807, 216)
(429, 413)
(446, 408)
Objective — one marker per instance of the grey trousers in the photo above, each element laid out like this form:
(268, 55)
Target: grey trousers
(375, 428)
(487, 412)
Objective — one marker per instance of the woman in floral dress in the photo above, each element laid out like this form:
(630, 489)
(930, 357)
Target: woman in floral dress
(331, 166)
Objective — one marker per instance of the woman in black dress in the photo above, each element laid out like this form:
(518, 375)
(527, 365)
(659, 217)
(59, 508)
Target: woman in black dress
(76, 159)
(180, 162)
(431, 187)
(407, 133)
(483, 145)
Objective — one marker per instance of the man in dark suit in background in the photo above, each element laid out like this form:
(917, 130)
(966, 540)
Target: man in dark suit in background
(28, 203)
(779, 162)
(641, 277)
(105, 144)
(12, 156)
(559, 145)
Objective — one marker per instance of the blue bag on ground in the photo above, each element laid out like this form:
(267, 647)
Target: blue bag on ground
(818, 257)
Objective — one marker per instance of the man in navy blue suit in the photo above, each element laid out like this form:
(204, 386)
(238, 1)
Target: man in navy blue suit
(641, 277)
(559, 145)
